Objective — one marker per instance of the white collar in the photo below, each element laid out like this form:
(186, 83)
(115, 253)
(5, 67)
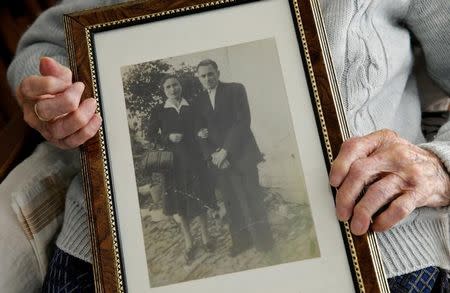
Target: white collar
(170, 104)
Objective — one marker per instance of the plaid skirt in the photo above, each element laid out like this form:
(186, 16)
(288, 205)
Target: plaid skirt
(428, 280)
(67, 273)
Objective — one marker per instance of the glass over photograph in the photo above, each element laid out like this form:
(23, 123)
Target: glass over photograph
(220, 181)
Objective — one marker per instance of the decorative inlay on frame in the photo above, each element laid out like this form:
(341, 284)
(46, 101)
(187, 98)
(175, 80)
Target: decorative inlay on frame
(159, 14)
(112, 222)
(323, 127)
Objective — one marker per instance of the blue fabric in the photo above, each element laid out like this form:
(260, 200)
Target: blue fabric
(428, 280)
(67, 273)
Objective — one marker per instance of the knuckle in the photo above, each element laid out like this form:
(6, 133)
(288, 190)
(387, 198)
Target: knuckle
(69, 73)
(401, 153)
(80, 118)
(358, 169)
(415, 171)
(379, 190)
(71, 100)
(89, 132)
(361, 210)
(382, 223)
(388, 133)
(351, 143)
(401, 210)
(48, 82)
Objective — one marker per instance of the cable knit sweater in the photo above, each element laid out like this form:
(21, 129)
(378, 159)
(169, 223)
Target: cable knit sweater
(370, 42)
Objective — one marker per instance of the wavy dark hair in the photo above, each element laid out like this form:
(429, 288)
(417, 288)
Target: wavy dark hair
(164, 79)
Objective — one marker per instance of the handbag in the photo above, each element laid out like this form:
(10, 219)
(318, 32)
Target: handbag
(158, 161)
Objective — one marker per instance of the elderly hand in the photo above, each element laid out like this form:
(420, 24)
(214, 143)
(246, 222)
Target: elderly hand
(398, 177)
(51, 105)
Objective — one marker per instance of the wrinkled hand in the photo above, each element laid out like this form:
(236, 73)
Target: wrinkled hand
(218, 157)
(175, 137)
(51, 105)
(397, 174)
(203, 133)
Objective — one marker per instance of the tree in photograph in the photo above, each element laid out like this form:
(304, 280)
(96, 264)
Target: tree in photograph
(143, 91)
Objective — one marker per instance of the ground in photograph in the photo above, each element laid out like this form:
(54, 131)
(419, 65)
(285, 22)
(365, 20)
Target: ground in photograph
(291, 225)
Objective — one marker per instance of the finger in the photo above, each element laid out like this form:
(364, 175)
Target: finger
(354, 149)
(50, 67)
(33, 87)
(63, 103)
(68, 125)
(361, 173)
(399, 209)
(84, 134)
(29, 116)
(378, 195)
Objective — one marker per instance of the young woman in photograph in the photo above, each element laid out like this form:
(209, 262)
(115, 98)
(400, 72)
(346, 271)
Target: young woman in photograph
(188, 193)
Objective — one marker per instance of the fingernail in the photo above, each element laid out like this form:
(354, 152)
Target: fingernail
(81, 85)
(333, 180)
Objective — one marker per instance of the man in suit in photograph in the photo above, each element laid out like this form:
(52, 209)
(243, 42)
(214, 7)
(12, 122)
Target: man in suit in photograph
(229, 146)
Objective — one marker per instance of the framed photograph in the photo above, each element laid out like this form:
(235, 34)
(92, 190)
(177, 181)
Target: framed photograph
(210, 171)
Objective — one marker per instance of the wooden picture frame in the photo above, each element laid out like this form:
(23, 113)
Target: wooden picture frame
(112, 267)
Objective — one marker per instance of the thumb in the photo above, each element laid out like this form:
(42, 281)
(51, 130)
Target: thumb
(50, 67)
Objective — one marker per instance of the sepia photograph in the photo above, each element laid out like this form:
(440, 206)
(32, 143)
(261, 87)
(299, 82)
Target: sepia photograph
(219, 177)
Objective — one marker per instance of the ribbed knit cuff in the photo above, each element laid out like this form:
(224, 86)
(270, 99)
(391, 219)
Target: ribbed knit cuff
(74, 238)
(417, 244)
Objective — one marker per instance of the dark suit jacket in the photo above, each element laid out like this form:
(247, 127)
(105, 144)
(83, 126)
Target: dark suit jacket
(228, 124)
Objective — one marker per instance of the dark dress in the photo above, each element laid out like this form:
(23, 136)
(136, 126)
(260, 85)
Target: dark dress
(188, 190)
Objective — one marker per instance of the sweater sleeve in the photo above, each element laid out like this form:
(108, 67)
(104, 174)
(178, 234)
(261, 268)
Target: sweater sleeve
(45, 38)
(430, 24)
